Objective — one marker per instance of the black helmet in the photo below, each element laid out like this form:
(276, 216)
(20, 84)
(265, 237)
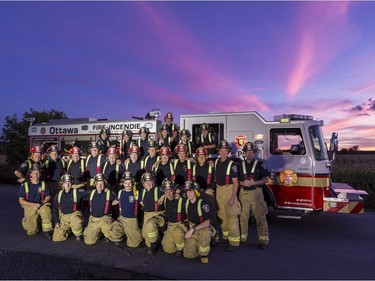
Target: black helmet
(249, 146)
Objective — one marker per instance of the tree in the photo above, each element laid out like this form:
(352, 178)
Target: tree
(15, 133)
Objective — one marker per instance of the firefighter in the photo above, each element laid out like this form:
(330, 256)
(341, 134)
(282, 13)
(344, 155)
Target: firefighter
(66, 214)
(204, 175)
(142, 142)
(174, 237)
(54, 167)
(100, 219)
(35, 157)
(198, 237)
(103, 142)
(127, 142)
(153, 219)
(165, 138)
(252, 176)
(185, 139)
(206, 139)
(34, 198)
(94, 163)
(182, 166)
(112, 169)
(175, 137)
(152, 157)
(164, 168)
(168, 119)
(127, 223)
(229, 207)
(76, 168)
(135, 165)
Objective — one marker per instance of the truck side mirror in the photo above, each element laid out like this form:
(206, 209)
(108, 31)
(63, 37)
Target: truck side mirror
(333, 146)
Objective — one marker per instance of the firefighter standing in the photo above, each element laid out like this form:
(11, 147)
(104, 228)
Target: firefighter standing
(168, 119)
(153, 219)
(127, 142)
(100, 211)
(112, 169)
(134, 165)
(76, 168)
(226, 196)
(34, 158)
(34, 197)
(174, 237)
(182, 166)
(127, 223)
(66, 214)
(54, 167)
(206, 139)
(165, 138)
(164, 168)
(252, 176)
(185, 139)
(103, 142)
(198, 237)
(152, 158)
(142, 142)
(94, 162)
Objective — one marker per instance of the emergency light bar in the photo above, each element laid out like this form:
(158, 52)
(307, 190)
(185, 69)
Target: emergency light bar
(286, 118)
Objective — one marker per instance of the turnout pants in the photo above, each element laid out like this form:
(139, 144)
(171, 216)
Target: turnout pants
(152, 221)
(96, 227)
(198, 244)
(69, 223)
(33, 219)
(228, 215)
(254, 199)
(174, 237)
(126, 227)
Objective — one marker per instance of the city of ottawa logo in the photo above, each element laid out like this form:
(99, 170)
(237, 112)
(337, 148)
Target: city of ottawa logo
(240, 140)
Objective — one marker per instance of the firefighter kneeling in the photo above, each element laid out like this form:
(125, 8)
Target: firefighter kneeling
(199, 235)
(174, 237)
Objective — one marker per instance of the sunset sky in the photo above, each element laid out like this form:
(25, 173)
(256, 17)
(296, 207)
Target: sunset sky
(120, 59)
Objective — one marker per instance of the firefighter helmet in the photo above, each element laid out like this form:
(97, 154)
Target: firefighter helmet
(168, 184)
(75, 149)
(52, 148)
(249, 146)
(185, 132)
(152, 143)
(224, 144)
(127, 176)
(201, 151)
(112, 150)
(147, 177)
(165, 150)
(99, 177)
(134, 149)
(66, 178)
(128, 133)
(181, 148)
(107, 131)
(204, 127)
(163, 128)
(93, 145)
(143, 130)
(34, 168)
(36, 149)
(168, 115)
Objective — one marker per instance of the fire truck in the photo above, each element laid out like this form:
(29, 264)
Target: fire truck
(292, 148)
(66, 133)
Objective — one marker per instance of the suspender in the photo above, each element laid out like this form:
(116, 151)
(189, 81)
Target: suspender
(227, 172)
(82, 166)
(135, 193)
(208, 181)
(26, 184)
(188, 166)
(156, 197)
(74, 199)
(107, 198)
(251, 176)
(179, 208)
(97, 162)
(199, 207)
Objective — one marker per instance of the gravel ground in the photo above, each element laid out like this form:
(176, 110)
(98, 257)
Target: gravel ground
(26, 266)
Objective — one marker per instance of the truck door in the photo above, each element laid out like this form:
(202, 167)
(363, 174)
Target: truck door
(291, 167)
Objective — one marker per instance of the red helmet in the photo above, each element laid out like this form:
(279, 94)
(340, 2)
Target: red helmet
(165, 150)
(112, 150)
(134, 149)
(181, 148)
(201, 151)
(168, 115)
(75, 149)
(36, 149)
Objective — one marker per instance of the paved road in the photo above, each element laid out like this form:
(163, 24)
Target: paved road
(328, 246)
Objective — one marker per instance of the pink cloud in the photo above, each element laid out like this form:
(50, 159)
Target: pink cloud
(324, 32)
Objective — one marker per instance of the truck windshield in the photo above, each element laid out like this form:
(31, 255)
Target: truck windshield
(317, 141)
